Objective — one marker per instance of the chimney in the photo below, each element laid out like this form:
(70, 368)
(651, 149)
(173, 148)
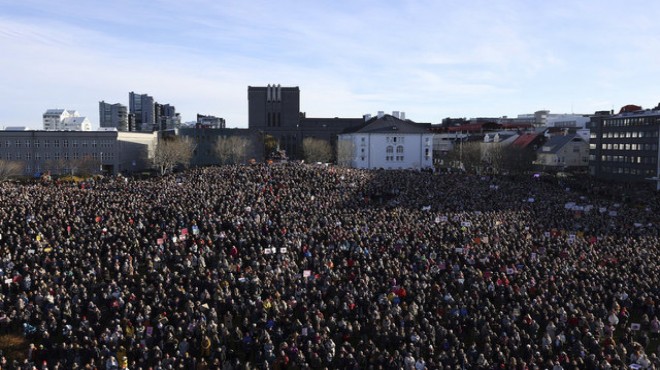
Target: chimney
(367, 117)
(395, 113)
(381, 114)
(402, 116)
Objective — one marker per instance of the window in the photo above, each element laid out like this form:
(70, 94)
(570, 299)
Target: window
(389, 149)
(18, 143)
(46, 143)
(75, 143)
(399, 149)
(65, 143)
(27, 143)
(56, 143)
(36, 143)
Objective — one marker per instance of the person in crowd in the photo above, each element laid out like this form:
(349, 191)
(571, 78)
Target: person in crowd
(293, 266)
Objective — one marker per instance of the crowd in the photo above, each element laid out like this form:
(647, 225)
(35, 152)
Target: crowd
(311, 267)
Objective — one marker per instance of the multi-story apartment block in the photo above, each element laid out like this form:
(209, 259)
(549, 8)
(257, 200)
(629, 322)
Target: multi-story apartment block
(62, 119)
(142, 112)
(113, 116)
(210, 121)
(624, 146)
(166, 117)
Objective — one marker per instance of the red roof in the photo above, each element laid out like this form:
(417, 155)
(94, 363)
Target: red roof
(524, 140)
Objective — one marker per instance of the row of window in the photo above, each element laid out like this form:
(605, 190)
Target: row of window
(390, 149)
(593, 146)
(394, 139)
(631, 121)
(625, 159)
(629, 171)
(390, 158)
(56, 143)
(56, 156)
(625, 134)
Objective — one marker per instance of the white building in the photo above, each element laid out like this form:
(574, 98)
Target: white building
(65, 120)
(387, 142)
(564, 151)
(567, 121)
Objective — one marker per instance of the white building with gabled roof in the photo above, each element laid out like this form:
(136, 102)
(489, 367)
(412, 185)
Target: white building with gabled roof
(65, 120)
(387, 142)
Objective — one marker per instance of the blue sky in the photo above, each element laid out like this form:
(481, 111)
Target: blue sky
(430, 59)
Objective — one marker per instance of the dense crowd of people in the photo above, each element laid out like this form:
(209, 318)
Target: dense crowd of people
(311, 267)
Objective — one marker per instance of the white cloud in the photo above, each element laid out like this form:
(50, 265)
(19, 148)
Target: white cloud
(349, 58)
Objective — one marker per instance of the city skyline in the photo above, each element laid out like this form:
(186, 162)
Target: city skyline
(429, 59)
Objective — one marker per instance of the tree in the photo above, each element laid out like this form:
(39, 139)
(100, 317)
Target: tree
(492, 155)
(233, 149)
(85, 166)
(316, 150)
(9, 169)
(171, 152)
(466, 155)
(345, 152)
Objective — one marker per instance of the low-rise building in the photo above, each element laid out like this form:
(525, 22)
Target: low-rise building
(67, 152)
(562, 152)
(387, 142)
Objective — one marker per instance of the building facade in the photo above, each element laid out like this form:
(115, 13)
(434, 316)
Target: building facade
(62, 119)
(67, 152)
(113, 116)
(210, 121)
(166, 117)
(142, 112)
(562, 152)
(206, 140)
(275, 110)
(387, 142)
(624, 146)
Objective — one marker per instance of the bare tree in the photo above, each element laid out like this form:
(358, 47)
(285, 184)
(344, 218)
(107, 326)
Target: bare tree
(345, 152)
(85, 166)
(466, 155)
(492, 155)
(171, 152)
(56, 166)
(9, 169)
(233, 149)
(316, 150)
